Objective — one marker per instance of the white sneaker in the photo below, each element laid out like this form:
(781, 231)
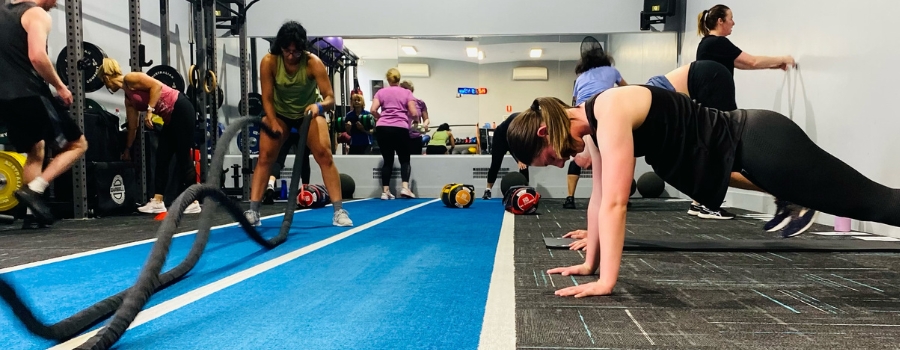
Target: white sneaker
(341, 218)
(252, 217)
(194, 208)
(153, 207)
(387, 196)
(406, 193)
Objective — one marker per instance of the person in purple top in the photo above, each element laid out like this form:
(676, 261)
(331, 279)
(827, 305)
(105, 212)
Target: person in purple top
(418, 126)
(393, 106)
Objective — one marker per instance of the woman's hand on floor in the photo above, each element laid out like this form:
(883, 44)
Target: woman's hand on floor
(576, 270)
(578, 245)
(585, 290)
(576, 234)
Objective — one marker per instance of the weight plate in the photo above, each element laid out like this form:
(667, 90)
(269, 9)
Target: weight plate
(255, 108)
(253, 147)
(11, 172)
(93, 59)
(190, 94)
(168, 75)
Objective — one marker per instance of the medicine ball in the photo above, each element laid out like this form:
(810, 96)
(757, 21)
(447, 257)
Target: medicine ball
(522, 200)
(650, 185)
(348, 186)
(458, 195)
(633, 187)
(512, 178)
(312, 196)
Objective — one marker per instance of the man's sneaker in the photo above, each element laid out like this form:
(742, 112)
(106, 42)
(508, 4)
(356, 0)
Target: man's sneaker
(341, 218)
(153, 207)
(406, 193)
(695, 209)
(252, 217)
(33, 201)
(487, 194)
(782, 217)
(193, 208)
(570, 203)
(386, 196)
(801, 220)
(721, 214)
(32, 223)
(269, 195)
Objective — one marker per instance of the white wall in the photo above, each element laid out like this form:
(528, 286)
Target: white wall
(105, 23)
(503, 90)
(461, 17)
(440, 88)
(843, 92)
(641, 56)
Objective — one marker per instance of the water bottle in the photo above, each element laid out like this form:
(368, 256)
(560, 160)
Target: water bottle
(284, 189)
(122, 124)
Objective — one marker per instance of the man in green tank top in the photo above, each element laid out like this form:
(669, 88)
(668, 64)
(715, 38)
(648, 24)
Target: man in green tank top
(291, 79)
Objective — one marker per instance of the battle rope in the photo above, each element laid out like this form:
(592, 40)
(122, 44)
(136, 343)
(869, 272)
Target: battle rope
(128, 303)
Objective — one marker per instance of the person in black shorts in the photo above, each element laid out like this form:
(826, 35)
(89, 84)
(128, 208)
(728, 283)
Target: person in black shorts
(33, 116)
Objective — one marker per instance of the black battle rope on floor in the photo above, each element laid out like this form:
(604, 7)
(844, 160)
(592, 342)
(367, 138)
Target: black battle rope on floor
(128, 303)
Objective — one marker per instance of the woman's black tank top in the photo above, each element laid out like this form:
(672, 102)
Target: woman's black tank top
(692, 148)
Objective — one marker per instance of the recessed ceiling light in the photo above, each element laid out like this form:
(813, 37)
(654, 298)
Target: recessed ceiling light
(409, 50)
(480, 55)
(472, 51)
(535, 53)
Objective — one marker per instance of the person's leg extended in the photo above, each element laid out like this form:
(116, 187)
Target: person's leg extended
(779, 157)
(182, 121)
(498, 151)
(405, 168)
(387, 142)
(268, 152)
(320, 146)
(26, 134)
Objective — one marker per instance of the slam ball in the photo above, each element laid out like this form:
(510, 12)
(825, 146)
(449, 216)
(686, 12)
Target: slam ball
(650, 185)
(348, 186)
(513, 178)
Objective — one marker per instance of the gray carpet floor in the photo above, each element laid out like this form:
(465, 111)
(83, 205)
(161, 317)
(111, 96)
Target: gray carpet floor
(691, 300)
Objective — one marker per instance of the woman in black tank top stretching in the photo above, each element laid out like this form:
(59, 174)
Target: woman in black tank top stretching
(692, 148)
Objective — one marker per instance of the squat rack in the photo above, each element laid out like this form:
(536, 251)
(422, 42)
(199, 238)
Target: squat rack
(204, 22)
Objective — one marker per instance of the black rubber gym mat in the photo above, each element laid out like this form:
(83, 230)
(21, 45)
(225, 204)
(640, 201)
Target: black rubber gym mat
(704, 300)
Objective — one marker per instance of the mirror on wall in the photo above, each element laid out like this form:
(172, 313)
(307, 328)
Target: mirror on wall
(475, 82)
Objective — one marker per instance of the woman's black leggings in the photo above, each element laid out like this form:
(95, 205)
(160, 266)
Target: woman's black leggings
(393, 139)
(499, 147)
(176, 140)
(776, 155)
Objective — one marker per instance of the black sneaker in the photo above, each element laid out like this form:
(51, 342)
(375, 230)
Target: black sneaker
(487, 195)
(721, 214)
(782, 217)
(570, 203)
(801, 220)
(695, 209)
(32, 223)
(33, 201)
(269, 196)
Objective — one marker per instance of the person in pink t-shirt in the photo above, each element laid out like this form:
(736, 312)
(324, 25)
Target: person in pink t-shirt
(144, 93)
(392, 108)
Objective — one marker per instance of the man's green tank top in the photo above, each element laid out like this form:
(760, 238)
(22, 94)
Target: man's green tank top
(293, 92)
(439, 138)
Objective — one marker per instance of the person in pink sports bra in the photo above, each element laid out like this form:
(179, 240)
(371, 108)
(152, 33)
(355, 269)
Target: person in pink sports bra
(144, 93)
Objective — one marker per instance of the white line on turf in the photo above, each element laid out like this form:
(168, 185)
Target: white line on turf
(498, 329)
(202, 292)
(131, 244)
